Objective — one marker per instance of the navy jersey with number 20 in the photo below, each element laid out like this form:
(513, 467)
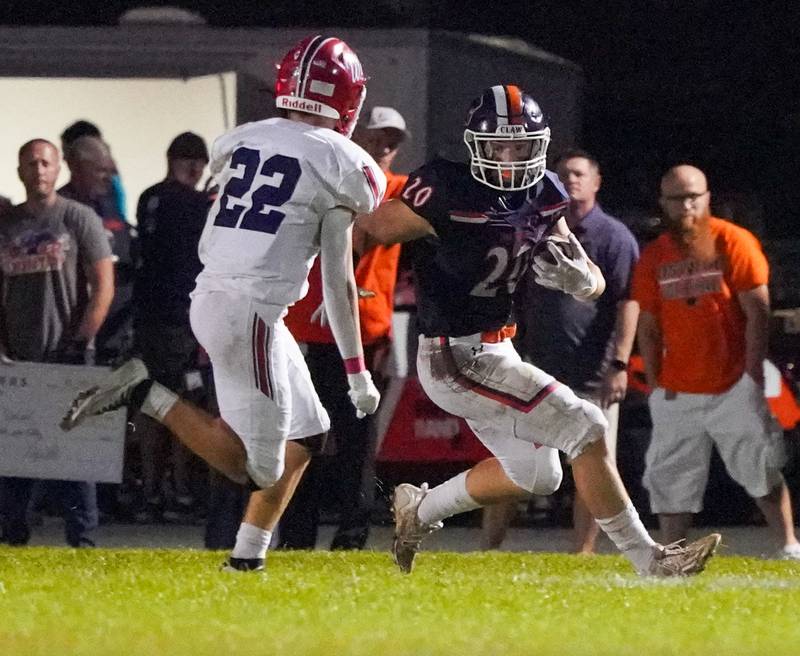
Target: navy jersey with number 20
(467, 274)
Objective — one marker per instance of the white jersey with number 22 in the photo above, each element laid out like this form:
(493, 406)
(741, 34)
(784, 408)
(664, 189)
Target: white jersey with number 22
(277, 179)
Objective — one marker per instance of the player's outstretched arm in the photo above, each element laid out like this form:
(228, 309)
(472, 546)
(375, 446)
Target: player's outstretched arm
(340, 296)
(394, 222)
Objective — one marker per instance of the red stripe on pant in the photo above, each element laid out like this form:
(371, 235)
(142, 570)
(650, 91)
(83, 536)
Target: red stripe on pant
(261, 355)
(504, 398)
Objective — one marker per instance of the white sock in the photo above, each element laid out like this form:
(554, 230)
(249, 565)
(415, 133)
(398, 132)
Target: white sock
(251, 542)
(158, 402)
(447, 499)
(631, 537)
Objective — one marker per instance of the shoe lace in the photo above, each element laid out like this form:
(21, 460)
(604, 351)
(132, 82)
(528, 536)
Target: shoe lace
(671, 558)
(414, 536)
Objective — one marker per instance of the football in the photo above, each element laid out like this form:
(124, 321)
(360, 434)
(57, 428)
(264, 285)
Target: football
(541, 250)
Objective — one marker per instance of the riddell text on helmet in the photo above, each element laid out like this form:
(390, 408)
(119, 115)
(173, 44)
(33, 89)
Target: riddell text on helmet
(300, 104)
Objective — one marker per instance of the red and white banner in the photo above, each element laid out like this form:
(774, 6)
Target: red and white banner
(415, 429)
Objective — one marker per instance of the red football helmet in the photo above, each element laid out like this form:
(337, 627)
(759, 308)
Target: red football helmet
(322, 76)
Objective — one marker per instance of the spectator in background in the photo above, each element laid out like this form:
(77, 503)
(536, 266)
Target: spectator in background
(702, 289)
(5, 205)
(56, 285)
(348, 477)
(170, 218)
(91, 170)
(584, 344)
(116, 198)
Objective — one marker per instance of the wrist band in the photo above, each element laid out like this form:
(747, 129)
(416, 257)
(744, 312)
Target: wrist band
(354, 365)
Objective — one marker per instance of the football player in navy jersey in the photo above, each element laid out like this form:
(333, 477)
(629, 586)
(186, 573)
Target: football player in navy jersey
(479, 226)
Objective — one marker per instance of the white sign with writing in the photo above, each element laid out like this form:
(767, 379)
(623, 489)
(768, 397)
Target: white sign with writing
(33, 399)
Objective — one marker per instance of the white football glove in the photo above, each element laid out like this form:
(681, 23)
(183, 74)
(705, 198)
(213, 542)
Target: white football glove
(570, 275)
(363, 393)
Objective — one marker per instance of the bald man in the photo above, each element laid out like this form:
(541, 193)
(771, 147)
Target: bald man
(702, 290)
(91, 171)
(56, 286)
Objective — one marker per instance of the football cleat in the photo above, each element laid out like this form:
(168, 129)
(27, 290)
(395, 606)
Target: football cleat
(114, 392)
(408, 529)
(242, 565)
(790, 552)
(678, 560)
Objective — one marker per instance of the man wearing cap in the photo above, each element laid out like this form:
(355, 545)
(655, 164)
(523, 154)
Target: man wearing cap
(347, 478)
(171, 216)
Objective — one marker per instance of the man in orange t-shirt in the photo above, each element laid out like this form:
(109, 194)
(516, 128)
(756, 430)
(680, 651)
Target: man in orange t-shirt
(347, 478)
(702, 290)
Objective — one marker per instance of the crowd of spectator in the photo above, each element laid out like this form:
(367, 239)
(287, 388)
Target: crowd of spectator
(80, 283)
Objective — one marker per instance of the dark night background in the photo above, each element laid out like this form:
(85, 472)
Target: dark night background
(708, 82)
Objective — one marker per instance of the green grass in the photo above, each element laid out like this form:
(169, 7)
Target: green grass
(131, 602)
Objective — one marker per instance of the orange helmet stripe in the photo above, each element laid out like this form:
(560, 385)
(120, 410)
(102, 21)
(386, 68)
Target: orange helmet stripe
(514, 96)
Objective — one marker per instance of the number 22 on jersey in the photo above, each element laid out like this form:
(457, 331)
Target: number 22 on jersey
(255, 189)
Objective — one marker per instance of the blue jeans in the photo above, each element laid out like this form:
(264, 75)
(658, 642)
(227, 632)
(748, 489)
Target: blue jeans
(78, 500)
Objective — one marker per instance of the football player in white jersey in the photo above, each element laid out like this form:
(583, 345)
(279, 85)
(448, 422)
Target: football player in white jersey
(289, 189)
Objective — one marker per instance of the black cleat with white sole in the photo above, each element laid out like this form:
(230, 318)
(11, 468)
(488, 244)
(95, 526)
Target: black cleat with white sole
(243, 565)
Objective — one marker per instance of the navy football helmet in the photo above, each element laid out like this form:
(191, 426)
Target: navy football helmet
(507, 136)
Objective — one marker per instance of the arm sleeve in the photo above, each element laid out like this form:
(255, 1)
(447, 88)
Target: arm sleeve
(623, 253)
(220, 151)
(748, 264)
(425, 193)
(92, 241)
(362, 187)
(644, 285)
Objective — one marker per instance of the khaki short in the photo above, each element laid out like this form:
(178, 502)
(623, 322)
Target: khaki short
(686, 427)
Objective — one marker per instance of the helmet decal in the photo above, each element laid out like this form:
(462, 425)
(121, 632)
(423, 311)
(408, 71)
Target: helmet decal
(305, 63)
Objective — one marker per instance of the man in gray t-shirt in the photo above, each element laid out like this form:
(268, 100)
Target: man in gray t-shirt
(56, 285)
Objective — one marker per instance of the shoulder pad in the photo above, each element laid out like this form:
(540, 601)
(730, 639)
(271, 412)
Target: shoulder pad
(362, 184)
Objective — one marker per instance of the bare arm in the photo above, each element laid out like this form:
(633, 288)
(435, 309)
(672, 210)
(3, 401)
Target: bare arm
(100, 275)
(755, 304)
(338, 281)
(340, 298)
(394, 222)
(615, 382)
(650, 346)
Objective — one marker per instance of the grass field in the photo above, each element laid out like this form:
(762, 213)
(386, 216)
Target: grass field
(135, 602)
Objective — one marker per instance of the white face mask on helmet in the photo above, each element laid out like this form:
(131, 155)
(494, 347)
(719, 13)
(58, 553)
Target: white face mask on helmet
(507, 137)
